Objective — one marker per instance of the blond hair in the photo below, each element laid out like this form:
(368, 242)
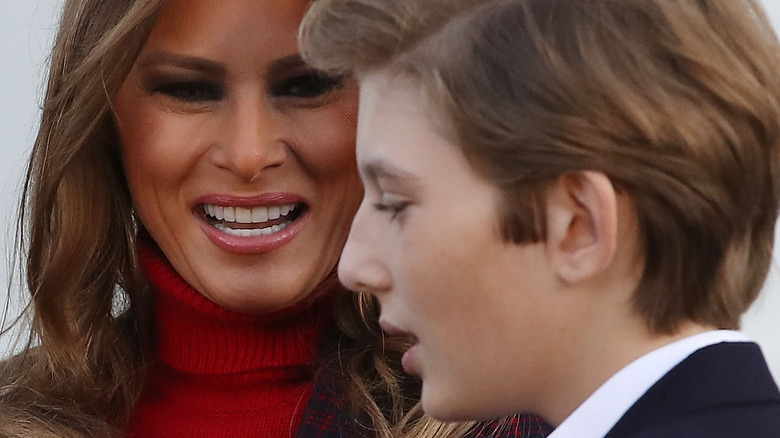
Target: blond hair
(676, 101)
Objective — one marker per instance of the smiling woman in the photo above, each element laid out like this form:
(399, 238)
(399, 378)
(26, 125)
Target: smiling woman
(214, 123)
(27, 30)
(187, 199)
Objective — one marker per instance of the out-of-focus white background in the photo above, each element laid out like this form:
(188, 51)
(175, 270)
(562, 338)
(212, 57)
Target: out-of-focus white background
(26, 32)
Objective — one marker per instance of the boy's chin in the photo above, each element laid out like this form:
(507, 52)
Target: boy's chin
(449, 407)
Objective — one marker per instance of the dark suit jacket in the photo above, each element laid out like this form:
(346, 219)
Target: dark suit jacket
(721, 391)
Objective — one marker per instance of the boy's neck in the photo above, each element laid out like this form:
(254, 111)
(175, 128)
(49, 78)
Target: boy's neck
(592, 363)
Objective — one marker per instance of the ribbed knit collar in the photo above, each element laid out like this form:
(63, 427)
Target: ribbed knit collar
(195, 335)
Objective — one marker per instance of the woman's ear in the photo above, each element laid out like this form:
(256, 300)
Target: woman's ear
(582, 225)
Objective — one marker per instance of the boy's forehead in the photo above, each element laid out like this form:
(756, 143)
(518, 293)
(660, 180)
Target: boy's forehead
(397, 134)
(386, 118)
(386, 90)
(390, 100)
(389, 107)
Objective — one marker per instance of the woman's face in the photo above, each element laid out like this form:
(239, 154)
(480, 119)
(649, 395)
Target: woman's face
(239, 157)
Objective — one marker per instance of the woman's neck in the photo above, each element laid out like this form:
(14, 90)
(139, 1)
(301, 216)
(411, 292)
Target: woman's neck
(195, 335)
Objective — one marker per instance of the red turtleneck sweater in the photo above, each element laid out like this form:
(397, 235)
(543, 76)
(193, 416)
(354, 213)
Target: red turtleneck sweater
(223, 374)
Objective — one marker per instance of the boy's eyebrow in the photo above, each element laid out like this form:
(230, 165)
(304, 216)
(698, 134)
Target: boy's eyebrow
(377, 169)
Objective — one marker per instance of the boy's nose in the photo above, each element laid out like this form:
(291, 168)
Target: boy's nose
(362, 267)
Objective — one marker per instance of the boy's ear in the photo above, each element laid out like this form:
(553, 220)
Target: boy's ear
(582, 225)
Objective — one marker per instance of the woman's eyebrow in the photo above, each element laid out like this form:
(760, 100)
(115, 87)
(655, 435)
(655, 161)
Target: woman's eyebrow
(212, 67)
(183, 61)
(286, 63)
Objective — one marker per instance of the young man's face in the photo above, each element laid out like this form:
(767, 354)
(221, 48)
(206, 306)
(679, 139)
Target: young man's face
(426, 243)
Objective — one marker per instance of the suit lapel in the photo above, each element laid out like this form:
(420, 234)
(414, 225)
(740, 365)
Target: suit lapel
(718, 375)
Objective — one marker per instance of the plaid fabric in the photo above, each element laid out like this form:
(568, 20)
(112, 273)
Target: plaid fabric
(519, 426)
(327, 416)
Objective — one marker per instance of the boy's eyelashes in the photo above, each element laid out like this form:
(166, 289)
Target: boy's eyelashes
(394, 208)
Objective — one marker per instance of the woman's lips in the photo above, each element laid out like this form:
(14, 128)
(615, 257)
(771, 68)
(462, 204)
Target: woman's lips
(249, 225)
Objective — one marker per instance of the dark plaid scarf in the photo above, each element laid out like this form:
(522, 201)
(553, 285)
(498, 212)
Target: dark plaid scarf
(327, 416)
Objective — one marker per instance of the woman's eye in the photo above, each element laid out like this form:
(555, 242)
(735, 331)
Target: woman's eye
(307, 86)
(191, 91)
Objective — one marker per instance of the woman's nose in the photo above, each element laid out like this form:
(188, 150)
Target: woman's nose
(253, 141)
(362, 267)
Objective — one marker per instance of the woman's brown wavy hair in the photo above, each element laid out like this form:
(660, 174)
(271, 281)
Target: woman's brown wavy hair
(80, 372)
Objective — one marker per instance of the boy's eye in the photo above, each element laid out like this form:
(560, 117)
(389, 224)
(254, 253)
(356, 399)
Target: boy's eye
(394, 208)
(307, 86)
(191, 91)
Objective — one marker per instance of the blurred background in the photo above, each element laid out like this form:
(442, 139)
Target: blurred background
(27, 28)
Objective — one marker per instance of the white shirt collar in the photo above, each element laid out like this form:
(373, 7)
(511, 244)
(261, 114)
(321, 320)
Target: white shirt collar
(595, 417)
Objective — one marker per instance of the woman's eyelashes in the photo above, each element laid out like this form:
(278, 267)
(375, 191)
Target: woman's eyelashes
(306, 85)
(189, 91)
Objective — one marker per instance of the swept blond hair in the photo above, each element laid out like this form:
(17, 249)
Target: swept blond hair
(676, 101)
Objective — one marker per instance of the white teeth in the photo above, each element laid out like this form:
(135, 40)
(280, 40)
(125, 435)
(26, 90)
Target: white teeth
(259, 214)
(251, 232)
(215, 211)
(230, 214)
(244, 215)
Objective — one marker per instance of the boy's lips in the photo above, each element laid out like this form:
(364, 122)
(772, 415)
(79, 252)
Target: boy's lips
(392, 330)
(409, 359)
